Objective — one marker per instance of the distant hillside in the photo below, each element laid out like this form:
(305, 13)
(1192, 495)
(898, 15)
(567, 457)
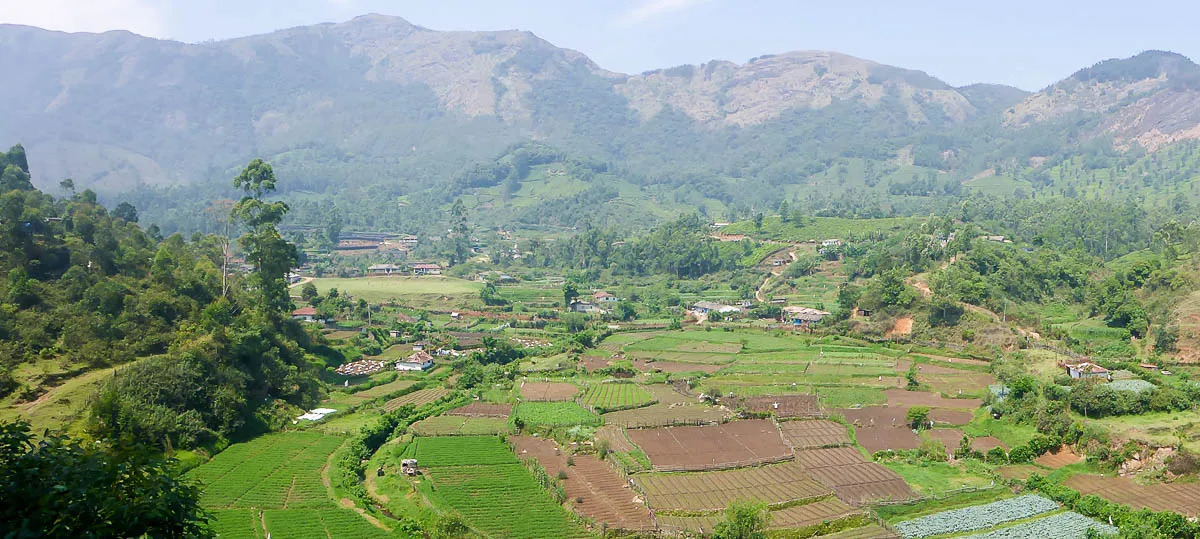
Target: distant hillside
(381, 118)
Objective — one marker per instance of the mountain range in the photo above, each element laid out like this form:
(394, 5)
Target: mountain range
(378, 101)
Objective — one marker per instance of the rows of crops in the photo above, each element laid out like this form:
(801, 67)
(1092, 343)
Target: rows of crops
(459, 451)
(277, 471)
(712, 491)
(417, 398)
(503, 500)
(555, 414)
(1067, 525)
(332, 523)
(236, 524)
(978, 517)
(797, 516)
(615, 396)
(450, 425)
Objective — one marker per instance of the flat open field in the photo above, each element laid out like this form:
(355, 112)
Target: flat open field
(1020, 471)
(281, 471)
(380, 289)
(961, 383)
(733, 444)
(417, 398)
(456, 425)
(852, 478)
(606, 496)
(883, 438)
(797, 516)
(555, 414)
(481, 479)
(951, 438)
(615, 396)
(381, 390)
(712, 491)
(784, 406)
(814, 433)
(673, 408)
(483, 409)
(644, 365)
(1179, 497)
(548, 391)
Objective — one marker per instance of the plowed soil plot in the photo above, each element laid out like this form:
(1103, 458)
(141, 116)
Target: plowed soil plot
(785, 405)
(606, 496)
(674, 366)
(950, 417)
(884, 438)
(954, 383)
(734, 444)
(798, 516)
(483, 409)
(593, 363)
(1020, 472)
(548, 391)
(1179, 497)
(712, 491)
(1063, 457)
(900, 397)
(814, 433)
(852, 479)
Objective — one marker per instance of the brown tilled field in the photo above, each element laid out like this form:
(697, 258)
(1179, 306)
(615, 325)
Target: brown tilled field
(483, 409)
(709, 447)
(548, 391)
(1063, 457)
(417, 398)
(712, 491)
(950, 417)
(607, 497)
(883, 438)
(593, 363)
(1019, 471)
(853, 479)
(1182, 498)
(814, 433)
(797, 516)
(784, 405)
(956, 383)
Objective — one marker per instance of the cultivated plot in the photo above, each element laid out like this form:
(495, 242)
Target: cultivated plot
(712, 491)
(332, 523)
(280, 471)
(814, 433)
(483, 409)
(730, 445)
(797, 516)
(611, 396)
(852, 478)
(1183, 498)
(450, 425)
(548, 391)
(417, 398)
(784, 406)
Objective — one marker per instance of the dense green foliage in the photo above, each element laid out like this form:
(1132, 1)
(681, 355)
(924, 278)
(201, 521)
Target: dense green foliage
(59, 487)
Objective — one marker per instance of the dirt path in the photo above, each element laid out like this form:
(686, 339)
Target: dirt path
(303, 281)
(69, 385)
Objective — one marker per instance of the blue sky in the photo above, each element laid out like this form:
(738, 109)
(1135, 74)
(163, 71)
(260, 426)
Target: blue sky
(1029, 44)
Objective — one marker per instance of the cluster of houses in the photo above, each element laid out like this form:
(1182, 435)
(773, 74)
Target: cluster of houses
(798, 316)
(600, 302)
(415, 268)
(418, 361)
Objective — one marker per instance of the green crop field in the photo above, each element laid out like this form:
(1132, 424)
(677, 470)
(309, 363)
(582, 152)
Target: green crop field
(503, 501)
(615, 396)
(331, 523)
(451, 425)
(275, 471)
(459, 451)
(378, 289)
(555, 414)
(237, 524)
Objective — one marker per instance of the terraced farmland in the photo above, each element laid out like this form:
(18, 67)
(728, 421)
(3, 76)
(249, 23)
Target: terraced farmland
(710, 447)
(814, 433)
(548, 391)
(853, 479)
(1067, 525)
(275, 471)
(459, 451)
(611, 396)
(712, 491)
(332, 523)
(555, 414)
(417, 398)
(976, 517)
(450, 425)
(797, 516)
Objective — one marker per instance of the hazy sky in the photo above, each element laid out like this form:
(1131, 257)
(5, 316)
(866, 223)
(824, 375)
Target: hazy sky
(1024, 43)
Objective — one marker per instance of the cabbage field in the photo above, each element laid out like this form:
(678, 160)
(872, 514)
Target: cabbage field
(1067, 525)
(978, 517)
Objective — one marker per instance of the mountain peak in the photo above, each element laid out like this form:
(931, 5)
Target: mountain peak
(1150, 64)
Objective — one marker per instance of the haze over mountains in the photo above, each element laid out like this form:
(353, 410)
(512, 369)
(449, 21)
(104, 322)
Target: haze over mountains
(379, 101)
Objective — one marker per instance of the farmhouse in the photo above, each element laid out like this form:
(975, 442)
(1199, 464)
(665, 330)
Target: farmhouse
(418, 361)
(831, 243)
(604, 297)
(585, 307)
(383, 269)
(426, 269)
(705, 307)
(307, 314)
(802, 316)
(1087, 370)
